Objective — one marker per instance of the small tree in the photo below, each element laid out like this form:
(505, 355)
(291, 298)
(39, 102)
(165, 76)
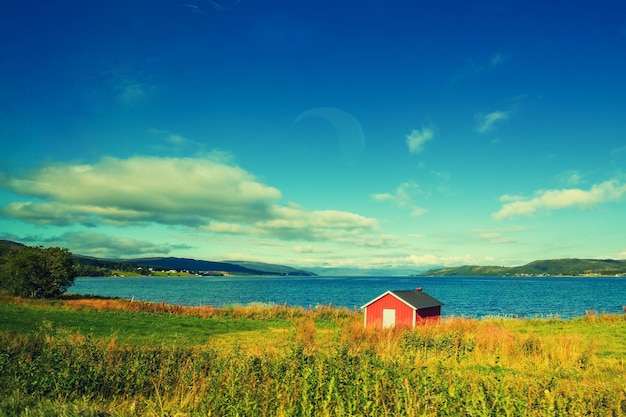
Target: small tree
(37, 272)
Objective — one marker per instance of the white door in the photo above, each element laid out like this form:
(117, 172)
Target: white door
(389, 317)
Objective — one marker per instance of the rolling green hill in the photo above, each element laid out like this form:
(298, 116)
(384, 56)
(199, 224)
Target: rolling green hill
(551, 267)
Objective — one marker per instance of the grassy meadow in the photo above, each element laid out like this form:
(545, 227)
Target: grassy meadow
(111, 357)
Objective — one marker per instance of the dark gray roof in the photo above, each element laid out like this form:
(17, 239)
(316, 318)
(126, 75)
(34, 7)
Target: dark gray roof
(417, 299)
(413, 298)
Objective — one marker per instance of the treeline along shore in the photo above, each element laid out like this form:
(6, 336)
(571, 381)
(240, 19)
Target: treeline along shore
(91, 356)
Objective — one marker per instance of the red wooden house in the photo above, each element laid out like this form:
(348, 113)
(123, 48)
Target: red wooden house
(402, 309)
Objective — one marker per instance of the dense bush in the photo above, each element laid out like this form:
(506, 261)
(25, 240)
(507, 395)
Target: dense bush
(36, 272)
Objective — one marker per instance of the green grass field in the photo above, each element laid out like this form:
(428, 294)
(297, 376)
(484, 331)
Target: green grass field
(97, 357)
(135, 328)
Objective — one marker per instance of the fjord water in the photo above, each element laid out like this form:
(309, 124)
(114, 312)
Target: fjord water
(462, 296)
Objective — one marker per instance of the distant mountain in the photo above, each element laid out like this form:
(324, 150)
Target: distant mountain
(551, 267)
(231, 267)
(92, 266)
(271, 268)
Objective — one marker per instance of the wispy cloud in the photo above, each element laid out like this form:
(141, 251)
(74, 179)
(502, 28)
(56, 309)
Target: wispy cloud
(128, 84)
(498, 59)
(382, 197)
(495, 237)
(621, 149)
(178, 140)
(206, 194)
(300, 249)
(515, 206)
(486, 64)
(175, 143)
(423, 261)
(487, 122)
(500, 235)
(418, 211)
(475, 66)
(223, 5)
(403, 197)
(570, 178)
(417, 138)
(102, 245)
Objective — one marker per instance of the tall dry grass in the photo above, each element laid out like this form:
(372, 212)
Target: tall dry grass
(254, 311)
(459, 367)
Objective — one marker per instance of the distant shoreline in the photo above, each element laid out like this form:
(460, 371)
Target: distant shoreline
(570, 267)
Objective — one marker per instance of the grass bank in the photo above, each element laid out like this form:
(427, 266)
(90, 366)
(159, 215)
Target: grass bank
(87, 358)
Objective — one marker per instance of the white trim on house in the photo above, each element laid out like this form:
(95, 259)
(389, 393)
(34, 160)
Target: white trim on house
(394, 296)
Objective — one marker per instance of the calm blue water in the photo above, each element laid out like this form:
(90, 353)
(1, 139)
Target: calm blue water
(462, 296)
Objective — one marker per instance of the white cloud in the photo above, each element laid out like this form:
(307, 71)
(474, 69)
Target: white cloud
(183, 191)
(416, 139)
(487, 122)
(295, 223)
(204, 193)
(559, 199)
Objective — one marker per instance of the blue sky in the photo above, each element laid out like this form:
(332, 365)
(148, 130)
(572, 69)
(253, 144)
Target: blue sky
(365, 133)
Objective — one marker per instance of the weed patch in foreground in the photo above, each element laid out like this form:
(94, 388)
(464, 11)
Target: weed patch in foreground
(459, 367)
